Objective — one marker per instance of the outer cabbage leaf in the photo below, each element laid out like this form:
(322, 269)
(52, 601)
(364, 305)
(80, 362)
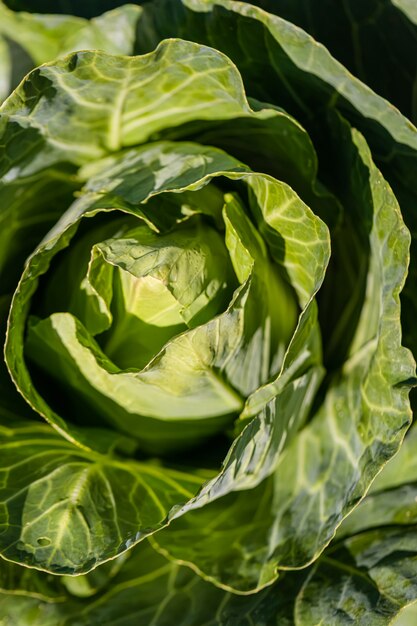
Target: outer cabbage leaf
(350, 581)
(66, 510)
(148, 587)
(369, 578)
(147, 590)
(369, 573)
(359, 34)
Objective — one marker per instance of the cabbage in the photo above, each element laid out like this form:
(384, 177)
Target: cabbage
(208, 298)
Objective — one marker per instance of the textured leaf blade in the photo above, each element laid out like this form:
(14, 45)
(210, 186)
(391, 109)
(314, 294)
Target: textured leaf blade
(374, 578)
(149, 590)
(66, 511)
(359, 36)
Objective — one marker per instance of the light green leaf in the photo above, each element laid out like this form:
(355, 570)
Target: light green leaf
(12, 405)
(176, 402)
(163, 284)
(276, 307)
(143, 288)
(124, 112)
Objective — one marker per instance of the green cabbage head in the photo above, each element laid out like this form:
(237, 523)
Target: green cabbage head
(204, 236)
